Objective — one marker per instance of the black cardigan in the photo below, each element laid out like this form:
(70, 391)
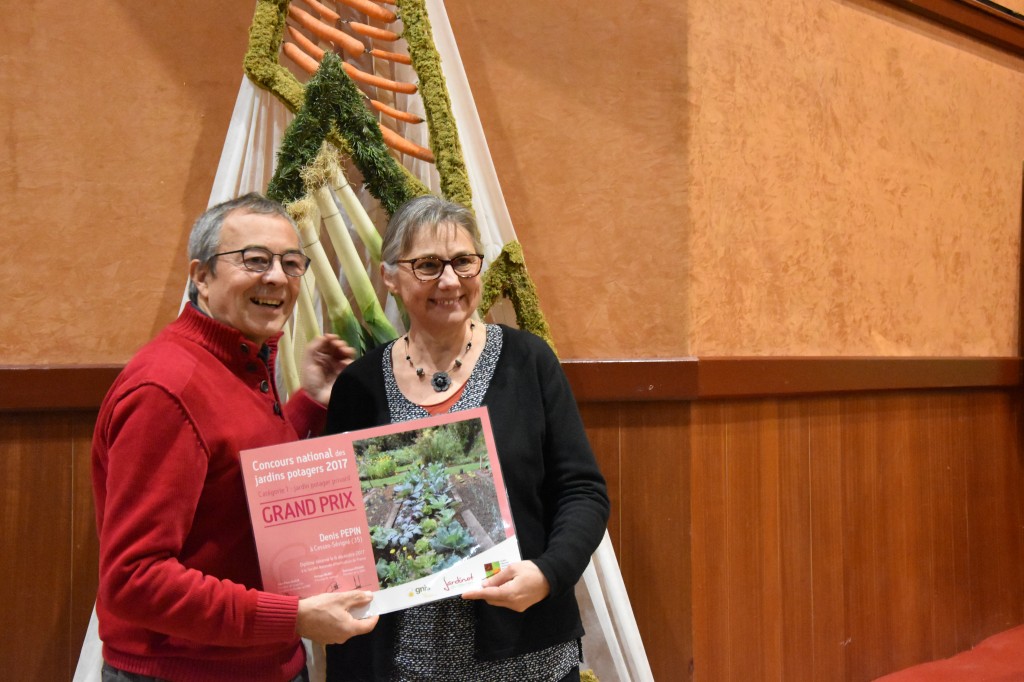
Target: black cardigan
(556, 492)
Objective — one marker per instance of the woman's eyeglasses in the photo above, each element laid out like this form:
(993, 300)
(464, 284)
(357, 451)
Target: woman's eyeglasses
(430, 268)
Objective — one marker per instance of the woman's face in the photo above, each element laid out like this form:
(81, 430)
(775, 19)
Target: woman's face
(446, 302)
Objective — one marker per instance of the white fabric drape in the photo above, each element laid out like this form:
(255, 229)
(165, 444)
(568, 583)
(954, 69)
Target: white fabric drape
(612, 647)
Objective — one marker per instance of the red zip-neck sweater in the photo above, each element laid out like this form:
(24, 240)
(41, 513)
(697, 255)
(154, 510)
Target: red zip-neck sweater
(180, 595)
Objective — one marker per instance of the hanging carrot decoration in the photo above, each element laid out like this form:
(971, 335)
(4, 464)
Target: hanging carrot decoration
(371, 9)
(326, 13)
(395, 113)
(376, 81)
(307, 45)
(321, 30)
(301, 59)
(400, 144)
(392, 56)
(373, 31)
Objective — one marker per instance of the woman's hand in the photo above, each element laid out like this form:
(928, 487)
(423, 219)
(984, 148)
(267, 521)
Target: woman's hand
(322, 362)
(517, 587)
(325, 618)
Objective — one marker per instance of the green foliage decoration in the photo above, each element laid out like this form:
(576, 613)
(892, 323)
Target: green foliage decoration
(444, 134)
(507, 276)
(346, 123)
(334, 109)
(336, 104)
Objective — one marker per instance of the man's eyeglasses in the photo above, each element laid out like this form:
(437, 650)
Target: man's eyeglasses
(259, 259)
(430, 268)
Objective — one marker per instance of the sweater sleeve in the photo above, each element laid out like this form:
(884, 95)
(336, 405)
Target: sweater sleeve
(574, 490)
(306, 415)
(155, 467)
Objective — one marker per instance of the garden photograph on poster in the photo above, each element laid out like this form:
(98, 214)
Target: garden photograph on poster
(430, 499)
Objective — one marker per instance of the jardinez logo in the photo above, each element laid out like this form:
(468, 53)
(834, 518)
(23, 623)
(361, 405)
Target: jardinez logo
(456, 580)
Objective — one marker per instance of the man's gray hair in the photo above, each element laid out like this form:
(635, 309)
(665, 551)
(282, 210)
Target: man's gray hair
(427, 211)
(204, 239)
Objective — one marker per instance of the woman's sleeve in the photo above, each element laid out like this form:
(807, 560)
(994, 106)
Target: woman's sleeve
(574, 488)
(352, 405)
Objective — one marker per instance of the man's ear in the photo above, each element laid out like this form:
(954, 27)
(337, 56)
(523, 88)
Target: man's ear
(199, 273)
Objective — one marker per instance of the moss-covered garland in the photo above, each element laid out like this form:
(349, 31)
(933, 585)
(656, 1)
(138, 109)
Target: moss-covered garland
(507, 276)
(444, 135)
(334, 107)
(260, 62)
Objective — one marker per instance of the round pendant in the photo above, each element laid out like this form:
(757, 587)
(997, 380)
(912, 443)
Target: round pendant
(441, 381)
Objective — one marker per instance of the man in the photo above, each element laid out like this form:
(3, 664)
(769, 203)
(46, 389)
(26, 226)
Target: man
(180, 595)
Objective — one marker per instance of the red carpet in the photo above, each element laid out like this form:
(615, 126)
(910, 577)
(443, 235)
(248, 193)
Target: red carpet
(1000, 658)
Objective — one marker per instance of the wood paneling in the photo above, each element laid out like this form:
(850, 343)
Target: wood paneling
(48, 565)
(833, 537)
(805, 537)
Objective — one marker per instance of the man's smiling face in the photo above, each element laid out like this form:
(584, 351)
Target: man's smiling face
(255, 303)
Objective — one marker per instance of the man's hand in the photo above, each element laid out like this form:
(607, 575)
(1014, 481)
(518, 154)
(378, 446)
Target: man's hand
(325, 618)
(517, 587)
(322, 362)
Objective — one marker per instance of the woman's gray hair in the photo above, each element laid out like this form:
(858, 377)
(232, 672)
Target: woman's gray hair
(429, 212)
(204, 239)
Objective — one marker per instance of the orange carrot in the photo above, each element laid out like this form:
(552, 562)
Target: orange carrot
(326, 13)
(376, 81)
(372, 9)
(395, 113)
(399, 143)
(307, 45)
(391, 56)
(373, 31)
(346, 42)
(303, 60)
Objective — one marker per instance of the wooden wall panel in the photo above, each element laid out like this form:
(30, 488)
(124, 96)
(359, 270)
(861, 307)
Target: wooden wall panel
(847, 538)
(48, 565)
(644, 455)
(995, 482)
(801, 538)
(655, 531)
(824, 604)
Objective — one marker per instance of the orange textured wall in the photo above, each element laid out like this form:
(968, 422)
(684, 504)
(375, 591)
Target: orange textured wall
(855, 178)
(708, 178)
(114, 113)
(826, 177)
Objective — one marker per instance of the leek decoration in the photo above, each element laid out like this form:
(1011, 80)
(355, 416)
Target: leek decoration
(316, 177)
(289, 368)
(343, 319)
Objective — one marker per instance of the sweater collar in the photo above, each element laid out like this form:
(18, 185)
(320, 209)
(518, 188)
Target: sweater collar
(225, 342)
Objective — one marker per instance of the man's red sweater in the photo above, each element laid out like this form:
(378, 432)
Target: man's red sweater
(180, 594)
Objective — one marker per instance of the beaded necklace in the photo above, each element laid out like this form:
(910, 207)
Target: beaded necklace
(440, 381)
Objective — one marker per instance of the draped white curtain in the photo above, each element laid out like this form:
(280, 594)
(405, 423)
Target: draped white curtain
(612, 647)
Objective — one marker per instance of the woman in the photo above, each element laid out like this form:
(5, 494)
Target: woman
(523, 624)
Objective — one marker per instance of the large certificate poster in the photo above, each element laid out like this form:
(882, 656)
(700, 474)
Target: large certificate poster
(415, 511)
